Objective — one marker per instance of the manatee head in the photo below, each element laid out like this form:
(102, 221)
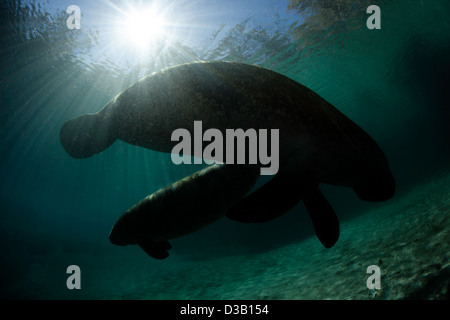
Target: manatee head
(117, 237)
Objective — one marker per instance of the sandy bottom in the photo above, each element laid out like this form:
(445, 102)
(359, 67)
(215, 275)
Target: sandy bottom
(408, 239)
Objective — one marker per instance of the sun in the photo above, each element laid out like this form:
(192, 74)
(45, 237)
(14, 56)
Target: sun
(144, 28)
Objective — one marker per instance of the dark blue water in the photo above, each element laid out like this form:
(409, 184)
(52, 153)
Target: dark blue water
(54, 209)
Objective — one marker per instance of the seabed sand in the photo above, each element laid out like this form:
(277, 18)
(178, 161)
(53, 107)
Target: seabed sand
(408, 238)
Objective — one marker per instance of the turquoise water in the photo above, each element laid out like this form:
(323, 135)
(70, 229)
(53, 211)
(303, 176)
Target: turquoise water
(57, 211)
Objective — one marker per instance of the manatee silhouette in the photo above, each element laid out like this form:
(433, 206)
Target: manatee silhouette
(183, 207)
(317, 143)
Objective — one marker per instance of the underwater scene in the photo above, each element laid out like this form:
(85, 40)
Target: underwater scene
(225, 150)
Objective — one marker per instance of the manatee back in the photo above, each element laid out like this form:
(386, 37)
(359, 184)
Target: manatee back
(226, 95)
(186, 205)
(223, 95)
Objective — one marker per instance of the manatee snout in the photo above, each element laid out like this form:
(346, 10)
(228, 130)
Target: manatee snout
(115, 237)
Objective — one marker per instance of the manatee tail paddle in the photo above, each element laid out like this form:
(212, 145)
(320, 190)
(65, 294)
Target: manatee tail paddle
(86, 135)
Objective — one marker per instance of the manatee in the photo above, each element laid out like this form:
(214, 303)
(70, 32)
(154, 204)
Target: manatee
(317, 143)
(183, 207)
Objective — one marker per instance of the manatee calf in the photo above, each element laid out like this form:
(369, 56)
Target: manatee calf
(183, 207)
(317, 143)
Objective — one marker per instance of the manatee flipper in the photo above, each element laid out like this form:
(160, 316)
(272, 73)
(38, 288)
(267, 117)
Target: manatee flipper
(155, 249)
(281, 194)
(325, 221)
(270, 201)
